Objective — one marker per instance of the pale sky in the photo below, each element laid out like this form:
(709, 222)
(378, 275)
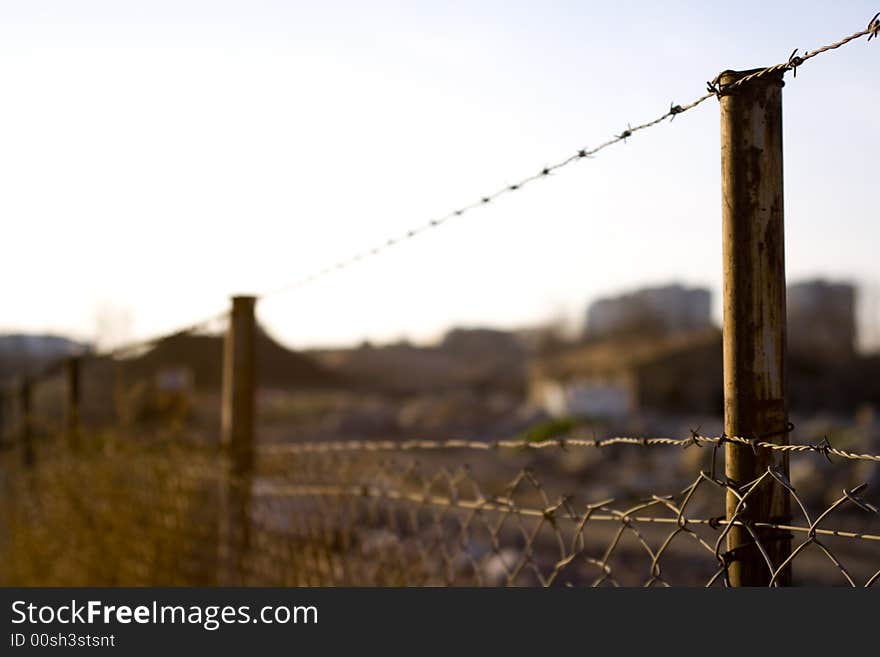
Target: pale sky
(157, 156)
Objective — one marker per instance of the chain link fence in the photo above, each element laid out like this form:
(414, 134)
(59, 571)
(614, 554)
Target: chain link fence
(429, 514)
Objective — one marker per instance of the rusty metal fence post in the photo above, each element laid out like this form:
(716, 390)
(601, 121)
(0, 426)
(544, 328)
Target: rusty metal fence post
(4, 415)
(237, 437)
(754, 317)
(7, 415)
(28, 456)
(71, 401)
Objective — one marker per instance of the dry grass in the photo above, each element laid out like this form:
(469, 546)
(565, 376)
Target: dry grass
(114, 516)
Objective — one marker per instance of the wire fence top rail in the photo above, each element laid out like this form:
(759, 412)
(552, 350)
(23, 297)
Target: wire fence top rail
(824, 448)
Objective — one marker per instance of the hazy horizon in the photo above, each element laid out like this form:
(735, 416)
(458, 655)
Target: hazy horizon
(159, 158)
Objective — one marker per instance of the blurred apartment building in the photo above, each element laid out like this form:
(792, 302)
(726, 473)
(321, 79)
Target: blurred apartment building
(822, 320)
(656, 350)
(626, 374)
(653, 348)
(824, 369)
(666, 310)
(22, 354)
(650, 350)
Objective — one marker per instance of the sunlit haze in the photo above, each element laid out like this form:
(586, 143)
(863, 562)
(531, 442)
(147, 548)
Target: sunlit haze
(156, 157)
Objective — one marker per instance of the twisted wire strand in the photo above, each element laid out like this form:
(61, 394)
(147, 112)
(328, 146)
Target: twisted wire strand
(318, 447)
(339, 520)
(795, 60)
(714, 88)
(323, 491)
(582, 153)
(441, 501)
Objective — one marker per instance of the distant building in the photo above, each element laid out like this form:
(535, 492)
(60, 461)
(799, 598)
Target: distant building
(667, 310)
(481, 342)
(466, 358)
(821, 320)
(22, 354)
(40, 346)
(627, 374)
(182, 362)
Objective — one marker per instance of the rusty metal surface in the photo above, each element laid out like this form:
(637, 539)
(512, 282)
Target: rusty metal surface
(754, 305)
(239, 379)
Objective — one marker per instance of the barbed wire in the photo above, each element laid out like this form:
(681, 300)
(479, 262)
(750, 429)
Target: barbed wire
(714, 89)
(794, 60)
(439, 527)
(167, 508)
(317, 447)
(544, 172)
(357, 519)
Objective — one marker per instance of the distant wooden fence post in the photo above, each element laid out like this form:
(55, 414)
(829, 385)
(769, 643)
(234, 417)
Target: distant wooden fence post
(28, 456)
(71, 405)
(6, 414)
(754, 315)
(237, 435)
